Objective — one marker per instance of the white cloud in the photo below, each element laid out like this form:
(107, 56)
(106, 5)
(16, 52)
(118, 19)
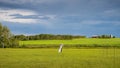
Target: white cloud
(51, 16)
(91, 22)
(98, 22)
(8, 15)
(112, 12)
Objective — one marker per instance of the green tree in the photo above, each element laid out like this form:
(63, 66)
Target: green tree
(6, 38)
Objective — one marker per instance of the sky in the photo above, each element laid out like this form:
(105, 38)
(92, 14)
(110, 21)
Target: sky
(74, 17)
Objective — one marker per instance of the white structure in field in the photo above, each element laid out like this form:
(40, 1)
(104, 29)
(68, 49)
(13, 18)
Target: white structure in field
(111, 36)
(60, 49)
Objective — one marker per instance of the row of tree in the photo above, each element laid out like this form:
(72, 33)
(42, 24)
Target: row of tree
(47, 37)
(103, 36)
(9, 40)
(6, 38)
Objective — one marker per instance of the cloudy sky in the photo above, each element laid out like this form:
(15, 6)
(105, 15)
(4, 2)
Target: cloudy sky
(77, 17)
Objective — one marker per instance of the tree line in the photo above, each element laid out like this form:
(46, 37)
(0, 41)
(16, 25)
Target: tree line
(7, 39)
(103, 36)
(47, 37)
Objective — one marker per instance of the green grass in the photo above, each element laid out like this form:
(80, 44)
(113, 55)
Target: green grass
(50, 58)
(71, 43)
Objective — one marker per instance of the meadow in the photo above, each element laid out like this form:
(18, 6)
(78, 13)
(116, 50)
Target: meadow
(46, 55)
(75, 43)
(50, 58)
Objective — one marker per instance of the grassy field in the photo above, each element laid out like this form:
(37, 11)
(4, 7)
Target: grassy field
(50, 58)
(73, 43)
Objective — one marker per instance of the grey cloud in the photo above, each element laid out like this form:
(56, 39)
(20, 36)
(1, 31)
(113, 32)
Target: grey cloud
(30, 16)
(63, 7)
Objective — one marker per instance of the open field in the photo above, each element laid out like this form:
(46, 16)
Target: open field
(73, 43)
(49, 58)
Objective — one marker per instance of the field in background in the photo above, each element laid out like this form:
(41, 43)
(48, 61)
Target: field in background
(86, 42)
(50, 58)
